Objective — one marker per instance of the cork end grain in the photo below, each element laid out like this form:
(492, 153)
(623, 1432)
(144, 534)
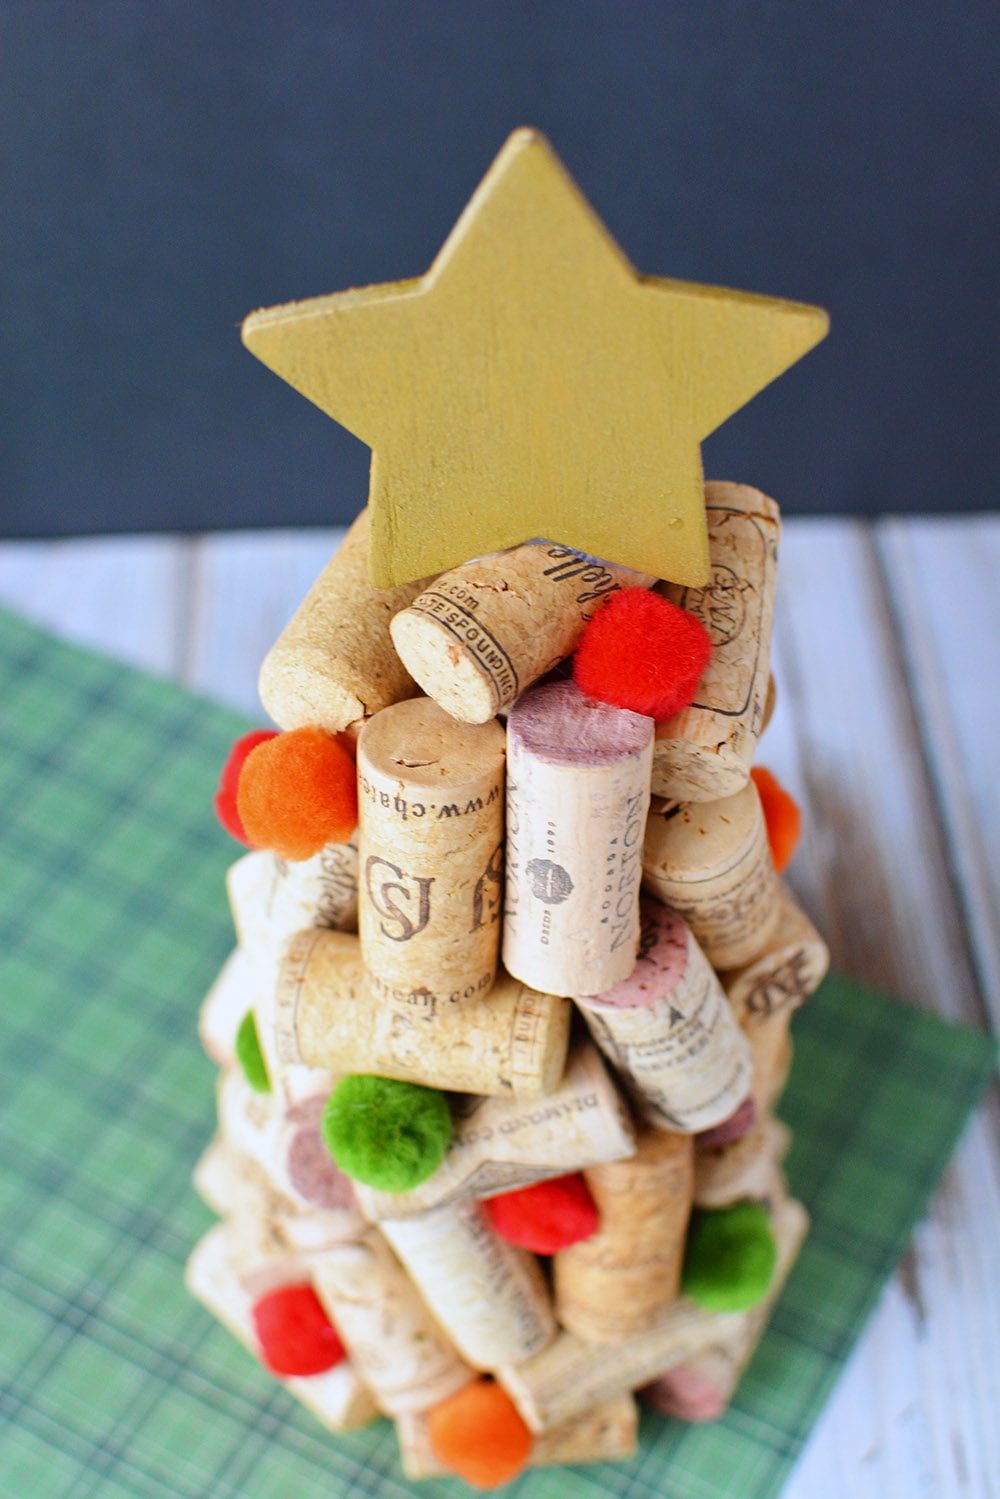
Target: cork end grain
(418, 742)
(693, 839)
(442, 667)
(660, 966)
(315, 687)
(559, 726)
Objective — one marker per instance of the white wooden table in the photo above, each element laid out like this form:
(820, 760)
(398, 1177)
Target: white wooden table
(888, 731)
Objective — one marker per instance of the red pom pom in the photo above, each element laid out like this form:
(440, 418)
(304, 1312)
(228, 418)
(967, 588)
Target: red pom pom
(546, 1217)
(294, 1333)
(229, 780)
(642, 652)
(781, 814)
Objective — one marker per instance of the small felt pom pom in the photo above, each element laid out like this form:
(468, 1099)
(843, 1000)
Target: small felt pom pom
(250, 1056)
(298, 792)
(388, 1134)
(642, 652)
(480, 1434)
(547, 1216)
(294, 1334)
(229, 780)
(729, 1257)
(781, 814)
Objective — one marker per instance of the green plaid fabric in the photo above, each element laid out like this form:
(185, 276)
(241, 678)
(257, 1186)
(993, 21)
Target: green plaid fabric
(113, 1382)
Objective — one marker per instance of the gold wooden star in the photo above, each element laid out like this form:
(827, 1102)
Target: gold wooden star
(532, 383)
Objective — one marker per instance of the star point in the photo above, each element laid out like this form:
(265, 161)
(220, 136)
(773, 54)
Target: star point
(533, 383)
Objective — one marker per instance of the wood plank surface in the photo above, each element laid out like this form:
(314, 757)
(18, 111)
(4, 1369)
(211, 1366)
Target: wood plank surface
(942, 578)
(887, 715)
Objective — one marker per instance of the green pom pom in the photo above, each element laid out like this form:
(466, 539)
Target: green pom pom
(729, 1258)
(250, 1056)
(388, 1134)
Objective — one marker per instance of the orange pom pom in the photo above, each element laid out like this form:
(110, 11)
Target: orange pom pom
(781, 814)
(479, 1434)
(298, 792)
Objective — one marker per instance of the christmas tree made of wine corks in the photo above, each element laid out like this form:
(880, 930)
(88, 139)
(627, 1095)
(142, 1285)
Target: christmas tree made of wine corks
(503, 1034)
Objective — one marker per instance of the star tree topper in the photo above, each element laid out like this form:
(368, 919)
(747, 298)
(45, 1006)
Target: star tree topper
(533, 383)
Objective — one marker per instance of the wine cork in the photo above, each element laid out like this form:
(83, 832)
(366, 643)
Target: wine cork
(234, 991)
(488, 1295)
(285, 1143)
(791, 967)
(511, 1042)
(484, 632)
(399, 1352)
(705, 752)
(625, 1277)
(701, 1389)
(431, 835)
(745, 1168)
(226, 1179)
(670, 1031)
(606, 1433)
(500, 1144)
(711, 862)
(260, 1257)
(577, 797)
(570, 1375)
(334, 663)
(338, 1397)
(770, 702)
(766, 992)
(271, 899)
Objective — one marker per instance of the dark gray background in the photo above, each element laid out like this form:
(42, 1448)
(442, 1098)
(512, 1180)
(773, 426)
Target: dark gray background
(171, 166)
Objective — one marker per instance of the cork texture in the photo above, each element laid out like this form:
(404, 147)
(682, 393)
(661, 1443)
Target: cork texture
(710, 861)
(766, 993)
(670, 1032)
(500, 1144)
(393, 1342)
(748, 1167)
(272, 898)
(284, 1141)
(338, 1398)
(430, 840)
(705, 752)
(334, 663)
(606, 1433)
(484, 632)
(570, 1375)
(624, 1278)
(511, 1042)
(712, 1375)
(488, 1295)
(577, 798)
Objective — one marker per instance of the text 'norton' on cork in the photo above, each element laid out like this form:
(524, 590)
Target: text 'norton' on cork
(431, 796)
(577, 798)
(483, 633)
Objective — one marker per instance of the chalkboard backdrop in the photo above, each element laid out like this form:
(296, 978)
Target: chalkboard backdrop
(173, 165)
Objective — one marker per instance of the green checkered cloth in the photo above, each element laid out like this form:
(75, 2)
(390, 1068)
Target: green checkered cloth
(113, 1382)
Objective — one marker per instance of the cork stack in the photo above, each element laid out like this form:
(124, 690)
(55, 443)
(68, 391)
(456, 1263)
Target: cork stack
(572, 926)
